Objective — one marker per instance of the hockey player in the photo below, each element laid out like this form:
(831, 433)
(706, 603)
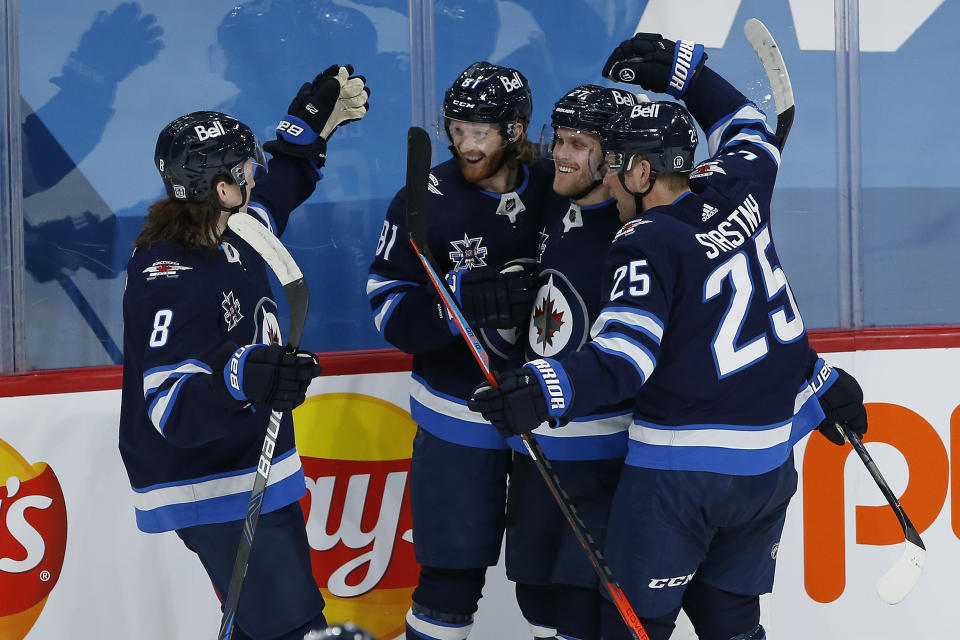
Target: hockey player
(557, 589)
(701, 330)
(204, 362)
(483, 212)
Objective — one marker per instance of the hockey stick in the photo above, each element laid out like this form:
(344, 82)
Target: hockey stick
(298, 297)
(897, 582)
(772, 59)
(418, 171)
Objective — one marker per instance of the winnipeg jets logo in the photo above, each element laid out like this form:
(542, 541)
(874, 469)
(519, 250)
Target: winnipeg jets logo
(231, 311)
(468, 253)
(510, 206)
(708, 212)
(707, 168)
(547, 320)
(573, 217)
(165, 269)
(432, 185)
(542, 245)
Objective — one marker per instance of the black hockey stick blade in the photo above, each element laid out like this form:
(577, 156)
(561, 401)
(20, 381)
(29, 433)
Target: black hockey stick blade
(902, 577)
(288, 273)
(776, 69)
(419, 152)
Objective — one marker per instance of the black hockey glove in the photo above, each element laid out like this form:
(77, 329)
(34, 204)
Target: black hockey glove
(332, 99)
(269, 375)
(500, 301)
(842, 403)
(517, 406)
(655, 63)
(526, 398)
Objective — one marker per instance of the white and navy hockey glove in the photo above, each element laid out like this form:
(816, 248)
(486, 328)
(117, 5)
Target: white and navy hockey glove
(655, 63)
(333, 98)
(527, 397)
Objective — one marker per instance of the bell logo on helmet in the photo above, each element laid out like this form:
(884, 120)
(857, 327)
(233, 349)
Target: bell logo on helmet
(511, 84)
(623, 98)
(214, 131)
(645, 110)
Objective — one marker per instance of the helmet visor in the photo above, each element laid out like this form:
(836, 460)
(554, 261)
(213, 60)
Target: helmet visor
(485, 135)
(573, 149)
(254, 166)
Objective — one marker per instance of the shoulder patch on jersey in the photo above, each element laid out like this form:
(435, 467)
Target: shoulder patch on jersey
(468, 253)
(707, 168)
(630, 227)
(231, 310)
(164, 269)
(433, 185)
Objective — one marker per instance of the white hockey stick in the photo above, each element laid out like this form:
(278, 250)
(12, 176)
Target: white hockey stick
(899, 580)
(298, 297)
(769, 53)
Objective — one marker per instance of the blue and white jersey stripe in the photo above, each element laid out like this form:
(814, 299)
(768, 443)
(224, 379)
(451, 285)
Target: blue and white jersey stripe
(630, 317)
(746, 114)
(377, 285)
(381, 315)
(163, 384)
(448, 418)
(217, 498)
(740, 450)
(618, 344)
(596, 437)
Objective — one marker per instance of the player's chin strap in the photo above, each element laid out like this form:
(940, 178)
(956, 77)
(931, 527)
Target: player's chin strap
(243, 200)
(638, 197)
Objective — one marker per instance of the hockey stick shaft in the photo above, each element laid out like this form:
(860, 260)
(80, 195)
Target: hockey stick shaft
(418, 167)
(909, 531)
(298, 298)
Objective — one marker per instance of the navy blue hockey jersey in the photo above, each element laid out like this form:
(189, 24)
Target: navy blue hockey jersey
(190, 459)
(468, 229)
(573, 242)
(700, 326)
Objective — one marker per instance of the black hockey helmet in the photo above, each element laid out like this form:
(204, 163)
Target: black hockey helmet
(589, 107)
(195, 148)
(487, 92)
(347, 631)
(663, 131)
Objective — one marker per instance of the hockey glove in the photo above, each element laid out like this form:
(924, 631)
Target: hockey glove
(501, 301)
(842, 403)
(520, 404)
(333, 98)
(655, 63)
(269, 375)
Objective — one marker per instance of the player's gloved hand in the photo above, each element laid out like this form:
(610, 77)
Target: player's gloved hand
(526, 397)
(842, 403)
(269, 375)
(333, 98)
(655, 63)
(500, 301)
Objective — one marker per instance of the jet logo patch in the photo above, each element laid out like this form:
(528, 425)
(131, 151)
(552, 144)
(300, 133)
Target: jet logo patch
(468, 253)
(231, 311)
(164, 269)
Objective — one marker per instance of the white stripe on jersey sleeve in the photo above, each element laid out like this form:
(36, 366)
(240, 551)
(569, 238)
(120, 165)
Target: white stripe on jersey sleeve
(154, 378)
(383, 313)
(376, 283)
(632, 352)
(165, 399)
(746, 113)
(757, 139)
(629, 317)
